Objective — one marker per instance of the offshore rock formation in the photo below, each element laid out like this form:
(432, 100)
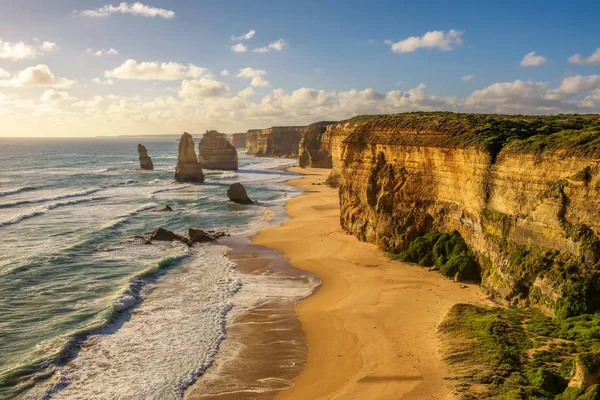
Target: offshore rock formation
(523, 192)
(237, 194)
(238, 139)
(145, 160)
(315, 146)
(188, 168)
(278, 141)
(215, 152)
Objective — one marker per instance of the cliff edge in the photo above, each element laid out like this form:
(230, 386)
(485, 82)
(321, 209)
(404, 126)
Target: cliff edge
(215, 152)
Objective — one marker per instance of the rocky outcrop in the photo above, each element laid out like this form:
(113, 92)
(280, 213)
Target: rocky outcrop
(237, 194)
(164, 235)
(200, 236)
(278, 141)
(215, 152)
(523, 192)
(188, 168)
(145, 160)
(195, 236)
(315, 146)
(238, 140)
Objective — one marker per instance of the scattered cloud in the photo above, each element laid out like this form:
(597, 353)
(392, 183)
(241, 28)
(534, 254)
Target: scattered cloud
(225, 72)
(246, 92)
(593, 59)
(136, 8)
(201, 88)
(532, 60)
(53, 97)
(246, 36)
(15, 51)
(239, 48)
(38, 76)
(166, 71)
(99, 81)
(4, 73)
(102, 52)
(256, 76)
(277, 45)
(467, 78)
(445, 41)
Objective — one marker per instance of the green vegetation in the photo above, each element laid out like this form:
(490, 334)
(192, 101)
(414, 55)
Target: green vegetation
(448, 252)
(520, 354)
(572, 134)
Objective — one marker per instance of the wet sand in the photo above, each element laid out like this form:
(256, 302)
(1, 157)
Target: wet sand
(372, 325)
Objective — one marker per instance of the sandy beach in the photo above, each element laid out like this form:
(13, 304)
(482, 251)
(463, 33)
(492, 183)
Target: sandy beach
(371, 327)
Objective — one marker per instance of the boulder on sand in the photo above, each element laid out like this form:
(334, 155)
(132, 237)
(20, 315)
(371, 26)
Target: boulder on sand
(215, 152)
(188, 168)
(145, 160)
(237, 194)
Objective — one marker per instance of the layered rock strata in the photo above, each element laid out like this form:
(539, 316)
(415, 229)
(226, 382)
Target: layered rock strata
(315, 146)
(188, 168)
(145, 160)
(278, 141)
(238, 139)
(523, 192)
(215, 152)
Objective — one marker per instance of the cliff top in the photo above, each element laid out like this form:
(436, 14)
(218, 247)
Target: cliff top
(571, 134)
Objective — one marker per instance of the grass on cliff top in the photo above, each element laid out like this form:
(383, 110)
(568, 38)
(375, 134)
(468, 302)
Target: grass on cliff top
(498, 353)
(575, 134)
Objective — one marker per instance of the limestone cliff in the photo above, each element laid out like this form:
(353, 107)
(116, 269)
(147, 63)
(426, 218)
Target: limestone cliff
(523, 192)
(315, 146)
(215, 152)
(145, 160)
(238, 139)
(188, 168)
(278, 141)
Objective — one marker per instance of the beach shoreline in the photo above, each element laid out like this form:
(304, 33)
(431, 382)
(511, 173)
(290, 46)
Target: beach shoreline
(371, 327)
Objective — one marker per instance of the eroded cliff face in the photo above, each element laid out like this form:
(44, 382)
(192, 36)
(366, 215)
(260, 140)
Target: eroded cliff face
(215, 152)
(529, 207)
(238, 139)
(278, 141)
(188, 168)
(315, 146)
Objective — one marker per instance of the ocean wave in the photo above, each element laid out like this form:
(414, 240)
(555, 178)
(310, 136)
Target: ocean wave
(53, 198)
(178, 187)
(46, 209)
(123, 218)
(16, 190)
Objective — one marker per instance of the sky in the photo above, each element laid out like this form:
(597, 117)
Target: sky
(96, 67)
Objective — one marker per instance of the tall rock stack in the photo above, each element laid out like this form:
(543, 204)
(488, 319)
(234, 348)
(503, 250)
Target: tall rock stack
(188, 168)
(238, 139)
(215, 152)
(145, 160)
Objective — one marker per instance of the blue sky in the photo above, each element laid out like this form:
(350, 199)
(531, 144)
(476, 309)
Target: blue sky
(333, 51)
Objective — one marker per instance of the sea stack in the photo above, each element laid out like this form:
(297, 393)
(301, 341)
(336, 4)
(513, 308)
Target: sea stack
(238, 139)
(237, 194)
(215, 152)
(188, 168)
(145, 160)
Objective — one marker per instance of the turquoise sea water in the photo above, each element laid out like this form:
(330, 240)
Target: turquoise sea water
(69, 264)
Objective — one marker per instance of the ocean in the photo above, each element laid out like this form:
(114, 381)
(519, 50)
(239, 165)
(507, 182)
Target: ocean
(87, 310)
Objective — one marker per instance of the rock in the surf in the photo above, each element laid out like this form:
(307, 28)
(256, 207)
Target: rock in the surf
(188, 168)
(162, 234)
(200, 236)
(215, 152)
(166, 209)
(237, 194)
(145, 160)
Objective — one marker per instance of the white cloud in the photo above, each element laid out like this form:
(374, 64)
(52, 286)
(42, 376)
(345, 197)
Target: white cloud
(246, 92)
(467, 78)
(4, 73)
(532, 60)
(239, 48)
(442, 40)
(574, 85)
(102, 52)
(99, 81)
(15, 51)
(246, 36)
(136, 8)
(593, 59)
(201, 88)
(166, 71)
(278, 45)
(54, 97)
(40, 76)
(256, 76)
(225, 72)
